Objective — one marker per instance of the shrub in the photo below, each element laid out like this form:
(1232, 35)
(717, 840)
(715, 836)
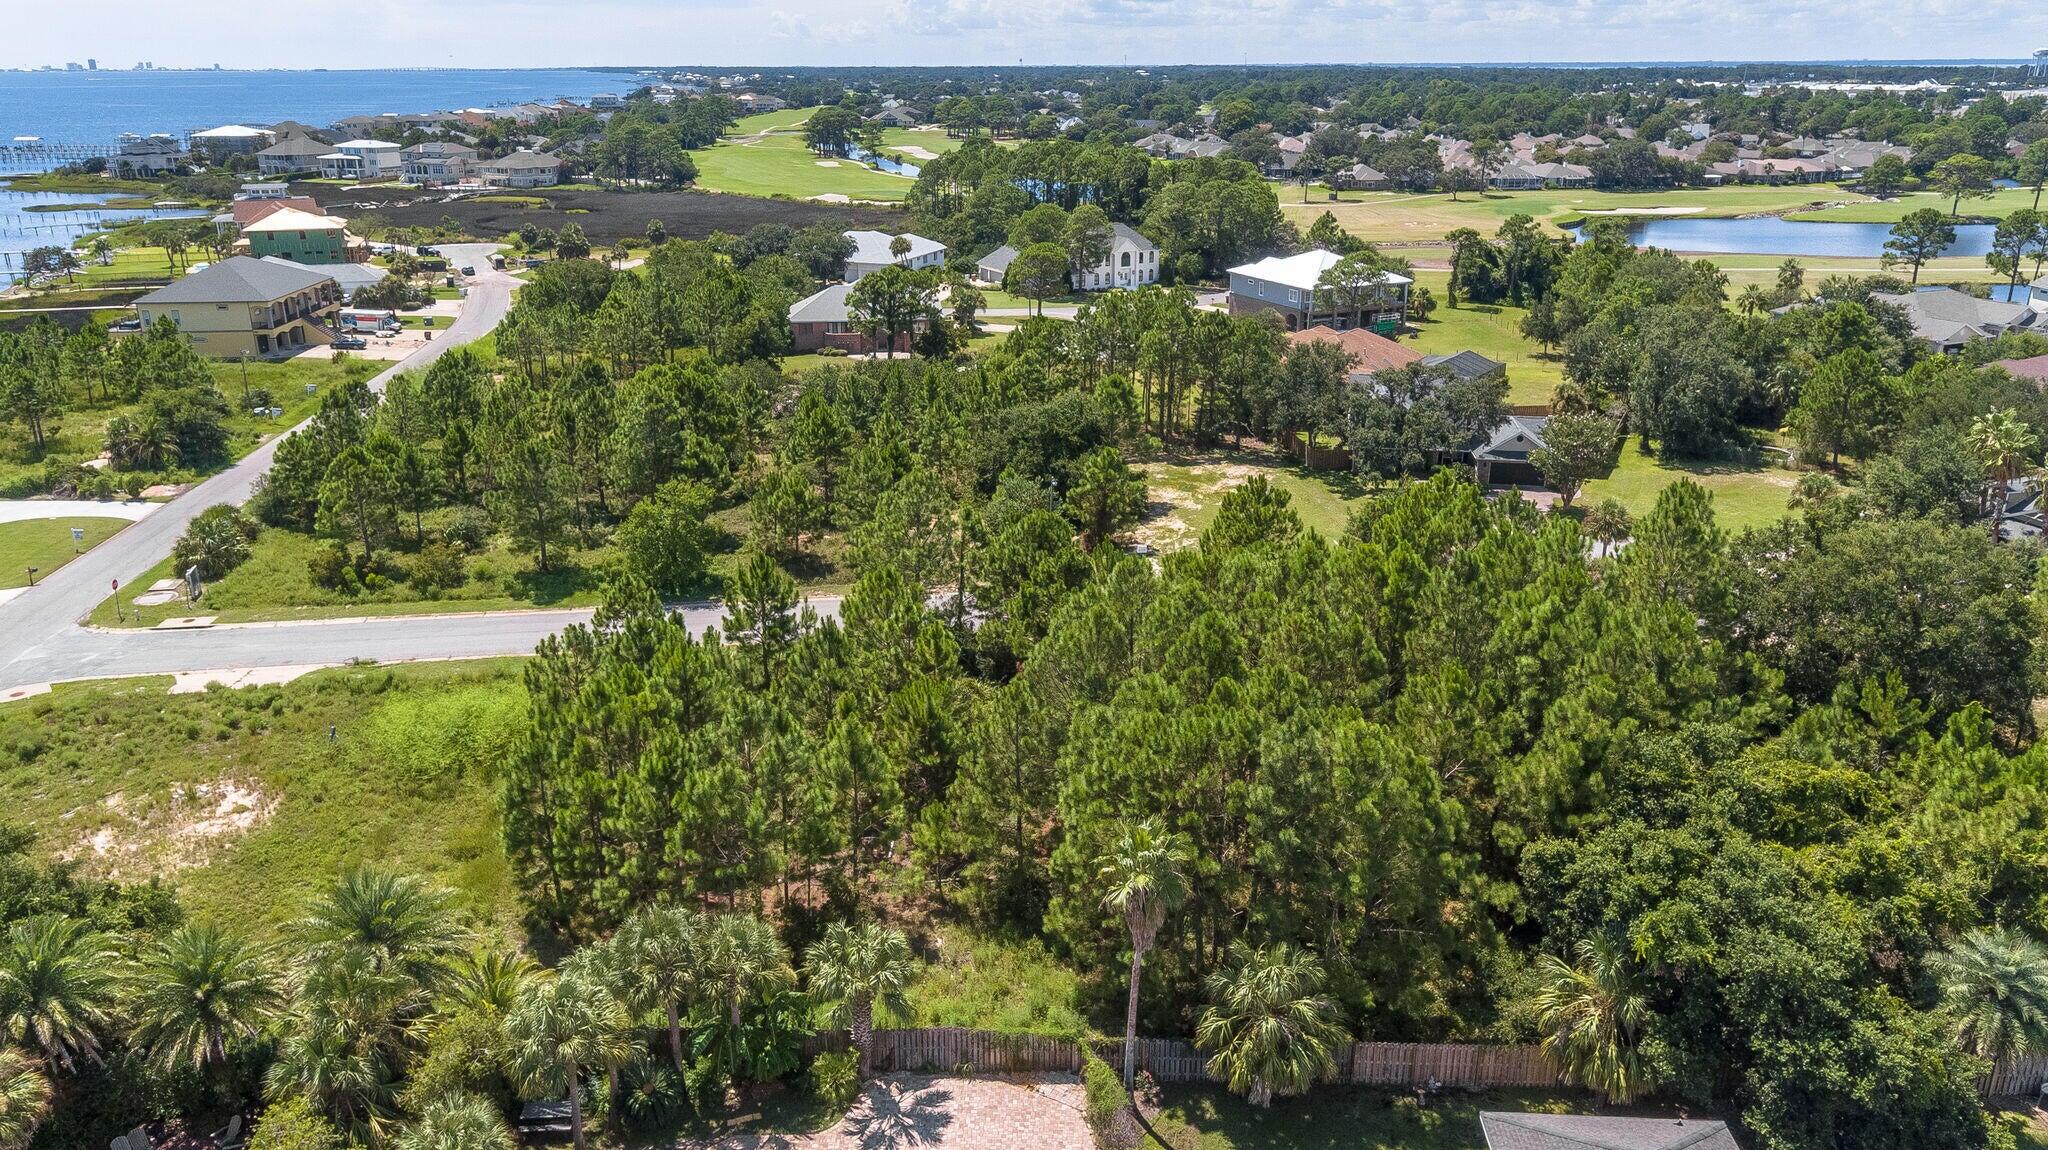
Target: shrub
(293, 1124)
(835, 1079)
(435, 569)
(1108, 1108)
(330, 567)
(469, 528)
(664, 537)
(217, 541)
(428, 738)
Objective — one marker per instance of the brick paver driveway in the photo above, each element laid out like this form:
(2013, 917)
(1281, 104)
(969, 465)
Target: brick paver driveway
(927, 1112)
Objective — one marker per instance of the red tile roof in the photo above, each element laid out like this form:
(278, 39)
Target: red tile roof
(1369, 352)
(249, 211)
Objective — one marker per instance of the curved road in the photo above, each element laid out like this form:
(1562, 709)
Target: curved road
(42, 639)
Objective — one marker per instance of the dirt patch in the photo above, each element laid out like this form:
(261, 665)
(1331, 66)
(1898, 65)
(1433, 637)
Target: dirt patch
(926, 1112)
(157, 834)
(1165, 526)
(604, 216)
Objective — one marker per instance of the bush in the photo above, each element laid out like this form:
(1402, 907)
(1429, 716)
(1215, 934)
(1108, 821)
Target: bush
(330, 567)
(835, 1079)
(293, 1124)
(435, 569)
(469, 528)
(664, 537)
(217, 541)
(831, 352)
(1108, 1108)
(431, 738)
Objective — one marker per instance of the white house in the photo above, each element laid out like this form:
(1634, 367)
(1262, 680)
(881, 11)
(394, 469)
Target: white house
(871, 253)
(1286, 286)
(231, 139)
(361, 160)
(1133, 262)
(436, 162)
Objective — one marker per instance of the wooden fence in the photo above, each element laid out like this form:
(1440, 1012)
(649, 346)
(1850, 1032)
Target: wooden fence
(1399, 1064)
(2015, 1077)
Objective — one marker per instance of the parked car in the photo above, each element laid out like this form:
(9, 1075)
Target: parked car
(350, 343)
(468, 271)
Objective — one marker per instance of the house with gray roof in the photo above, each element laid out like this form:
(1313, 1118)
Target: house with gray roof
(1501, 456)
(871, 252)
(244, 306)
(824, 319)
(1511, 1131)
(1467, 365)
(991, 268)
(1132, 261)
(1947, 319)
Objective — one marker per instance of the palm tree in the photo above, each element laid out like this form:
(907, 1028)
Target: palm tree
(59, 983)
(102, 250)
(458, 1121)
(562, 1027)
(339, 1066)
(664, 948)
(2004, 442)
(1272, 1030)
(1145, 882)
(24, 1098)
(1994, 988)
(492, 976)
(741, 960)
(1592, 1014)
(201, 987)
(397, 922)
(856, 968)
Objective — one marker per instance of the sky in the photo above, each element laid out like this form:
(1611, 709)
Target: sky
(563, 33)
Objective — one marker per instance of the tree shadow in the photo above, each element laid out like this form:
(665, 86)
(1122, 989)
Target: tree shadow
(897, 1116)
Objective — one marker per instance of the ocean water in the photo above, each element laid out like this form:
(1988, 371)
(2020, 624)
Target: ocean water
(95, 107)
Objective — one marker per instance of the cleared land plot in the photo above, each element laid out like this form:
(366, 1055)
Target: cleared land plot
(1182, 496)
(241, 802)
(46, 545)
(1744, 495)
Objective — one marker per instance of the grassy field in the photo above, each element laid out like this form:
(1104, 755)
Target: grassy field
(277, 583)
(1492, 330)
(780, 165)
(1182, 496)
(244, 805)
(46, 544)
(1344, 1118)
(1869, 211)
(80, 434)
(1744, 496)
(784, 120)
(1400, 216)
(1744, 270)
(993, 984)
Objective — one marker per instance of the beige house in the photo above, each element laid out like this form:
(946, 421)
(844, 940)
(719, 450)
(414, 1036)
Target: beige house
(245, 306)
(521, 170)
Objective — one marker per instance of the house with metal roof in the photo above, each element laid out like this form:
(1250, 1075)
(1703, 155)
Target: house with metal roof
(871, 252)
(244, 306)
(1511, 1131)
(1287, 287)
(230, 140)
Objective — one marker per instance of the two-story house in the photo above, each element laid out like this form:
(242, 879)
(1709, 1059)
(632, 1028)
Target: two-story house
(436, 162)
(244, 306)
(300, 236)
(361, 160)
(1290, 286)
(287, 157)
(521, 170)
(873, 251)
(1133, 261)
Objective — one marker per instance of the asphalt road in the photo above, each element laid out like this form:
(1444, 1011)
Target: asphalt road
(43, 639)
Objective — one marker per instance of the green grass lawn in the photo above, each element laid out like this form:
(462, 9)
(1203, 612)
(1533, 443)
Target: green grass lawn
(1183, 495)
(46, 544)
(62, 182)
(1344, 1118)
(1869, 211)
(784, 120)
(1744, 496)
(276, 582)
(780, 165)
(998, 298)
(1743, 270)
(1402, 216)
(130, 266)
(1492, 330)
(242, 803)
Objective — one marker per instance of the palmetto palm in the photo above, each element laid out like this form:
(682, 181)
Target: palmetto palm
(398, 923)
(339, 1066)
(1143, 874)
(24, 1098)
(457, 1122)
(199, 988)
(1271, 1029)
(492, 976)
(1994, 989)
(59, 983)
(856, 967)
(2005, 443)
(664, 948)
(741, 960)
(1592, 1012)
(563, 1027)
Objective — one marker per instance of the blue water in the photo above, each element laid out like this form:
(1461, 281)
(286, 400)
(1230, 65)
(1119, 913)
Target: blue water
(22, 230)
(883, 162)
(96, 107)
(1773, 236)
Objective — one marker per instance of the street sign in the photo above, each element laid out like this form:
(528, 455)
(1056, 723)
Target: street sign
(78, 534)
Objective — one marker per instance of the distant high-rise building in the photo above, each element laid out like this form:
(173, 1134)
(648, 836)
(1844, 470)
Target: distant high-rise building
(74, 66)
(91, 65)
(2040, 68)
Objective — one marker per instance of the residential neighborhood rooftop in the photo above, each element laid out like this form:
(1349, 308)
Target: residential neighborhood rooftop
(1303, 270)
(237, 279)
(1511, 1131)
(870, 247)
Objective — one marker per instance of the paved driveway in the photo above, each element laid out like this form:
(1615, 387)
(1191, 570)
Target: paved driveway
(927, 1112)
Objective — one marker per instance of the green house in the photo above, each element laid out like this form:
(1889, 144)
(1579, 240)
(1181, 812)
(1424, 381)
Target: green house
(301, 237)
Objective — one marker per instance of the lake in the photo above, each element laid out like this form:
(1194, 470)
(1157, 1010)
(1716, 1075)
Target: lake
(1773, 236)
(23, 230)
(94, 108)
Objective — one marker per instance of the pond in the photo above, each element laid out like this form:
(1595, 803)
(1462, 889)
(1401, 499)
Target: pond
(883, 162)
(1770, 235)
(27, 222)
